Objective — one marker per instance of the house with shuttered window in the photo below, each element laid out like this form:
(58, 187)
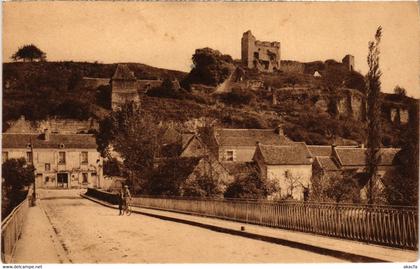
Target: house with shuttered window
(60, 160)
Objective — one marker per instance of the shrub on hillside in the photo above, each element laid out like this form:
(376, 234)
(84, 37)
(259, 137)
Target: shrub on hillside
(238, 97)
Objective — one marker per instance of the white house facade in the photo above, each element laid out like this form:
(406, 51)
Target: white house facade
(60, 160)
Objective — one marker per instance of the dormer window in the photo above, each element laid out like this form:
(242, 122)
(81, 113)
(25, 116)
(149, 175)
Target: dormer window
(61, 146)
(28, 145)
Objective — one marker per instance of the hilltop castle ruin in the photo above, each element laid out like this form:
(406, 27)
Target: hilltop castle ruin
(262, 55)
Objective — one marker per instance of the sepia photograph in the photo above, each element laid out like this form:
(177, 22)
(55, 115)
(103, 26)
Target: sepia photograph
(210, 133)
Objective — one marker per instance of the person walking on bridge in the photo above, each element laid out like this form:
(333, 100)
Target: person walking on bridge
(126, 197)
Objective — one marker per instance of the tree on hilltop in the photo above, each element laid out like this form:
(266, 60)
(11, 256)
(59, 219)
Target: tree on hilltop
(29, 53)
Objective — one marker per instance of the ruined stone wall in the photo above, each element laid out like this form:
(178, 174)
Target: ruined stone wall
(357, 104)
(348, 62)
(263, 55)
(93, 83)
(351, 103)
(404, 116)
(143, 85)
(292, 67)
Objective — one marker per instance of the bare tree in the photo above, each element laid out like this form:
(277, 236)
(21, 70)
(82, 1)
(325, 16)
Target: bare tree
(293, 182)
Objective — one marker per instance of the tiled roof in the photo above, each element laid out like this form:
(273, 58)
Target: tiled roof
(85, 141)
(357, 156)
(123, 72)
(176, 168)
(249, 137)
(240, 168)
(296, 153)
(186, 137)
(327, 163)
(320, 150)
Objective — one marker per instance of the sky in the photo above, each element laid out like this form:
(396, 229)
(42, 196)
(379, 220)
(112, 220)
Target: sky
(167, 34)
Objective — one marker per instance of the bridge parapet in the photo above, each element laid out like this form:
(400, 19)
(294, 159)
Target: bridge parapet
(11, 228)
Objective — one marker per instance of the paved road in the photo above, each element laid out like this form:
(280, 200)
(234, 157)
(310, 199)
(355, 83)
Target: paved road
(91, 233)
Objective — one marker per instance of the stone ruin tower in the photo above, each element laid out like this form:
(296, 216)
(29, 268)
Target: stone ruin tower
(348, 62)
(262, 55)
(124, 86)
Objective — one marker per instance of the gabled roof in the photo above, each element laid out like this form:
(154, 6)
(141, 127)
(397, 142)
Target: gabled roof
(357, 156)
(124, 73)
(177, 168)
(323, 150)
(186, 137)
(170, 135)
(320, 150)
(327, 163)
(195, 146)
(240, 168)
(21, 126)
(20, 141)
(296, 153)
(249, 137)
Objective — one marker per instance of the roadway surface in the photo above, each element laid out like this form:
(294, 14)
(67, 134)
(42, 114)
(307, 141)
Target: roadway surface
(92, 233)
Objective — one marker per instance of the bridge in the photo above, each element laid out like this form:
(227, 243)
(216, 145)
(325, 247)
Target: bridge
(65, 227)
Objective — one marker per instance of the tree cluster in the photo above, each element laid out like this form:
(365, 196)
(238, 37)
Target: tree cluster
(210, 67)
(17, 175)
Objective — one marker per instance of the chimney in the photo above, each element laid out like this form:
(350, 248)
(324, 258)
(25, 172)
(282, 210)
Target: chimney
(362, 146)
(280, 130)
(274, 99)
(46, 134)
(333, 146)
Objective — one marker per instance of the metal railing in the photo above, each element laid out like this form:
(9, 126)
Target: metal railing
(395, 226)
(11, 228)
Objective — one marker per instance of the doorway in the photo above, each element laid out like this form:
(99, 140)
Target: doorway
(62, 180)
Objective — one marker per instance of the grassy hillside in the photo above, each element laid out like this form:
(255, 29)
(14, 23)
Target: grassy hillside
(41, 90)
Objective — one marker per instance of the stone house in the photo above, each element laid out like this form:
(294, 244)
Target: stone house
(60, 160)
(336, 161)
(238, 145)
(288, 166)
(355, 158)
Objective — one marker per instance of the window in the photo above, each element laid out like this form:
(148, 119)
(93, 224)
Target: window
(84, 157)
(4, 156)
(230, 155)
(47, 167)
(85, 177)
(29, 157)
(61, 157)
(47, 179)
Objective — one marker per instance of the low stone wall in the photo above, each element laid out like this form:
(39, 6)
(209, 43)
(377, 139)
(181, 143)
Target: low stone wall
(109, 197)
